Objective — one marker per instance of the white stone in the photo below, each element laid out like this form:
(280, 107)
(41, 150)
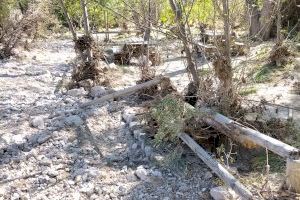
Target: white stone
(52, 173)
(148, 151)
(18, 139)
(128, 117)
(134, 146)
(112, 66)
(87, 188)
(73, 120)
(220, 193)
(77, 92)
(15, 196)
(38, 122)
(133, 124)
(98, 91)
(156, 173)
(208, 175)
(141, 173)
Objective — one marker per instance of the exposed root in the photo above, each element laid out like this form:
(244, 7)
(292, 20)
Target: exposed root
(190, 95)
(90, 72)
(228, 100)
(279, 54)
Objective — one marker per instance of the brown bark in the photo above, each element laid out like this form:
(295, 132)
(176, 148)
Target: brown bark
(86, 26)
(226, 29)
(267, 19)
(183, 37)
(254, 15)
(278, 23)
(71, 27)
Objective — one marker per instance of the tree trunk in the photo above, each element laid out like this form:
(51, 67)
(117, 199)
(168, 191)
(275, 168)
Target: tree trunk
(254, 15)
(71, 27)
(183, 37)
(148, 22)
(85, 17)
(267, 19)
(86, 26)
(278, 23)
(226, 29)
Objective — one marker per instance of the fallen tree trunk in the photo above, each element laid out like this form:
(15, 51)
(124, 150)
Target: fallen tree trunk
(124, 92)
(132, 89)
(216, 167)
(242, 134)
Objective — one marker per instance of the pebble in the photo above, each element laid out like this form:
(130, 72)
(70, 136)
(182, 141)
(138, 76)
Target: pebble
(134, 146)
(43, 138)
(208, 175)
(156, 173)
(73, 120)
(18, 139)
(148, 151)
(52, 173)
(98, 91)
(87, 188)
(38, 122)
(77, 92)
(220, 193)
(141, 173)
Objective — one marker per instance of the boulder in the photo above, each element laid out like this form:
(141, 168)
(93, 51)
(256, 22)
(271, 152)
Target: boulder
(73, 120)
(38, 122)
(222, 193)
(141, 173)
(98, 91)
(77, 92)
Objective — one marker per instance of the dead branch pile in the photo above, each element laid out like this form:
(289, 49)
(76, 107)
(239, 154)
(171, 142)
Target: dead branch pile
(279, 54)
(228, 100)
(89, 73)
(147, 73)
(171, 116)
(21, 29)
(14, 32)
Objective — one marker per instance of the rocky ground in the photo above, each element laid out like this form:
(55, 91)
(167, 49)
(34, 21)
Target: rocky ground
(51, 149)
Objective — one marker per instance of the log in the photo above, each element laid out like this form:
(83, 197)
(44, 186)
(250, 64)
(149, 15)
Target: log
(241, 133)
(124, 92)
(216, 167)
(132, 89)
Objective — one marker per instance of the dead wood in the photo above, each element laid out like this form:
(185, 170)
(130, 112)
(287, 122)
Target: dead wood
(217, 168)
(279, 54)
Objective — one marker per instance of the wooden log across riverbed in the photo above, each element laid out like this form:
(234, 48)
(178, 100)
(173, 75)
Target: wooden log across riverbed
(242, 134)
(216, 167)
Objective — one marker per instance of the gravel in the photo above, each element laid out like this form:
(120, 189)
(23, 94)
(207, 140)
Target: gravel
(47, 153)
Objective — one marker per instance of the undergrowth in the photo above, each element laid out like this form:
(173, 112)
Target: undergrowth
(277, 164)
(174, 160)
(170, 114)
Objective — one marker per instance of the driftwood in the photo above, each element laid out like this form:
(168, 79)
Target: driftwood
(132, 89)
(124, 92)
(216, 167)
(242, 133)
